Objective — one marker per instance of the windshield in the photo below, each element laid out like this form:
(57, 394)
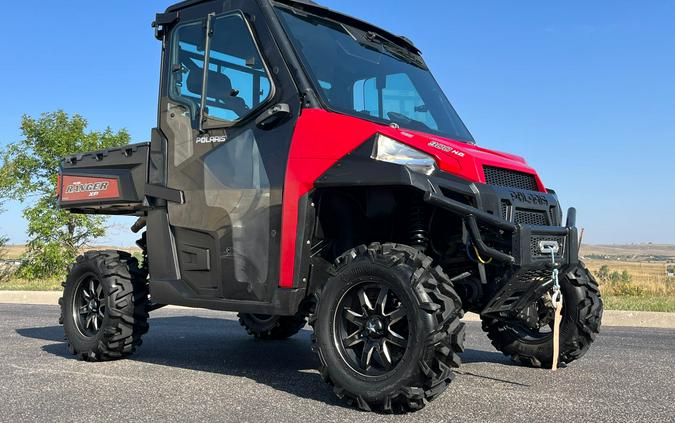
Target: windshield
(363, 74)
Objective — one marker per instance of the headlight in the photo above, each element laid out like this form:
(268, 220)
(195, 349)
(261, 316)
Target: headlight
(392, 151)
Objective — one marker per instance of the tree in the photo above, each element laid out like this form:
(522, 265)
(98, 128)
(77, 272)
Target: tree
(29, 175)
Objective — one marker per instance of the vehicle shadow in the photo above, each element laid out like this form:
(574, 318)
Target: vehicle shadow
(219, 346)
(222, 346)
(480, 356)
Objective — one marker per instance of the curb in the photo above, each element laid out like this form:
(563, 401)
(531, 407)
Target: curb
(644, 319)
(30, 297)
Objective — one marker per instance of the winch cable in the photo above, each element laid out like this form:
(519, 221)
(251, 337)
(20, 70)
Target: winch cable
(557, 301)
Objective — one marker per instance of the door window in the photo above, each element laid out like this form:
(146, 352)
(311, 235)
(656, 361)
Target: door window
(237, 81)
(186, 65)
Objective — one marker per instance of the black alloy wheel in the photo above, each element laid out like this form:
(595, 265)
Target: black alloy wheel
(89, 307)
(535, 322)
(371, 328)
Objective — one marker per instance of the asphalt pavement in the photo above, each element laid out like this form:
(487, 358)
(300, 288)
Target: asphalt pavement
(198, 365)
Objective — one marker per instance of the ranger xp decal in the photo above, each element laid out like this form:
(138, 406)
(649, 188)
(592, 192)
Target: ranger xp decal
(77, 188)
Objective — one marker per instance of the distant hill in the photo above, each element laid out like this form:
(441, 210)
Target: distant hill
(631, 252)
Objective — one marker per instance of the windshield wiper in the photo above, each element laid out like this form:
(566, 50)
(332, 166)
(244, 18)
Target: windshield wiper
(393, 49)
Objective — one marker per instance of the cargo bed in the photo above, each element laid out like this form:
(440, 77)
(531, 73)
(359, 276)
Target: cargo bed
(110, 181)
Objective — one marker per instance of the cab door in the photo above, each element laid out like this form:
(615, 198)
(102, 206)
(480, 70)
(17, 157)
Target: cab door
(228, 109)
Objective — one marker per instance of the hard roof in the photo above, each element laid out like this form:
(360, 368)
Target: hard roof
(320, 10)
(188, 3)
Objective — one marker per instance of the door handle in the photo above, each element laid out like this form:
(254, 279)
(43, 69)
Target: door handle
(272, 116)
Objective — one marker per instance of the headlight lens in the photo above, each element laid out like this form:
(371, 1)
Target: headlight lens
(392, 151)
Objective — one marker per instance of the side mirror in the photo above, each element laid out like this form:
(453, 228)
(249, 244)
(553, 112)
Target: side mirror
(272, 116)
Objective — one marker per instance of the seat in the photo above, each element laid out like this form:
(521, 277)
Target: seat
(219, 88)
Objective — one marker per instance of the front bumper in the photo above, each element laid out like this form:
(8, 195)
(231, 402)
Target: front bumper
(529, 270)
(504, 224)
(524, 251)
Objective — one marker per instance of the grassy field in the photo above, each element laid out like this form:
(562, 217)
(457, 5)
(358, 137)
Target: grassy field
(646, 288)
(645, 303)
(13, 252)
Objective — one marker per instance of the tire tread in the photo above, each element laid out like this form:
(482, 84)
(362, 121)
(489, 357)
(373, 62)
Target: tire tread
(443, 343)
(129, 294)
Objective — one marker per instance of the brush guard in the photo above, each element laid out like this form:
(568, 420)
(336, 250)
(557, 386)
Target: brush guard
(531, 260)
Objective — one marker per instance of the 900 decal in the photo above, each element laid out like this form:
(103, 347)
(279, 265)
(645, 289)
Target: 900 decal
(81, 188)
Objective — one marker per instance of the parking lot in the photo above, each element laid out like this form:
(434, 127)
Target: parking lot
(200, 365)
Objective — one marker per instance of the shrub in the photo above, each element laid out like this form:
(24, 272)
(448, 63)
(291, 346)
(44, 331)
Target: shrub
(6, 270)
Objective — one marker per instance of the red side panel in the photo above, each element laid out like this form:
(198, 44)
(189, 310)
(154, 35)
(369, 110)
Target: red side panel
(77, 188)
(322, 138)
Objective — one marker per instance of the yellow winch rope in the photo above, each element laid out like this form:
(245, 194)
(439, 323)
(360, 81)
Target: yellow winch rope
(480, 259)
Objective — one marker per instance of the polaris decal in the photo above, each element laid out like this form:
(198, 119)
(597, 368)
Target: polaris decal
(216, 139)
(76, 188)
(446, 148)
(536, 199)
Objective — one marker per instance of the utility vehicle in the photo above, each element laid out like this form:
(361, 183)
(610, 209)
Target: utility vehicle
(306, 166)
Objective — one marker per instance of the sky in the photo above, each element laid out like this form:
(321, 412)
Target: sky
(584, 90)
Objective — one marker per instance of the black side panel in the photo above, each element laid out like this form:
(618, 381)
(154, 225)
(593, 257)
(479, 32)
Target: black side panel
(157, 162)
(283, 302)
(161, 248)
(196, 252)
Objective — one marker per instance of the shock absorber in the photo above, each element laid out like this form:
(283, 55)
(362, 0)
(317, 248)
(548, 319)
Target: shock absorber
(418, 234)
(142, 243)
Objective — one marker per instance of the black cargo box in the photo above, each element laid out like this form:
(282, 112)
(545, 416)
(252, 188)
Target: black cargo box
(105, 182)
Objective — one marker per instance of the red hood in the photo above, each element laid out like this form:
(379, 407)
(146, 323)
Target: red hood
(323, 137)
(460, 158)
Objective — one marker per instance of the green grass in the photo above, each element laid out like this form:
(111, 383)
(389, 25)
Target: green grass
(31, 285)
(642, 303)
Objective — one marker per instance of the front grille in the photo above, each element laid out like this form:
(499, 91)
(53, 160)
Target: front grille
(530, 217)
(510, 178)
(535, 250)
